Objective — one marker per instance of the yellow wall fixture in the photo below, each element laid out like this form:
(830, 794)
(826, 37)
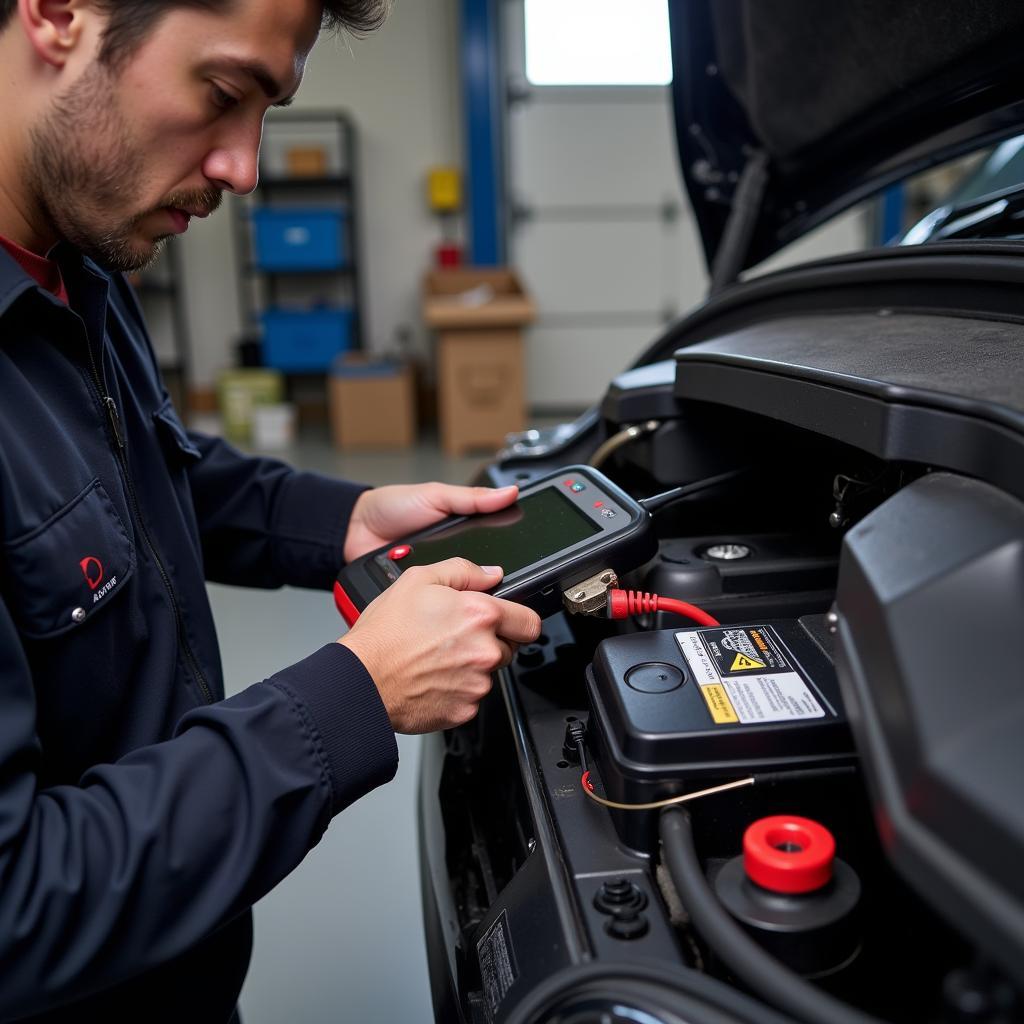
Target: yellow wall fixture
(444, 189)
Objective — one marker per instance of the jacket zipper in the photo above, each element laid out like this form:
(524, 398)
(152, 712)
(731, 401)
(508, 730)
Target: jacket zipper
(121, 450)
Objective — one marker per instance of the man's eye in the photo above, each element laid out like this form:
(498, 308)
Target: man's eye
(221, 98)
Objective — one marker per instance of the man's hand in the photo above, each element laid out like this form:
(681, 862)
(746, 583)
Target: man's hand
(432, 640)
(390, 513)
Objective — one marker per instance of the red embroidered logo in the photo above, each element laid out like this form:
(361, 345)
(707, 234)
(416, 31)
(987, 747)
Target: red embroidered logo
(92, 570)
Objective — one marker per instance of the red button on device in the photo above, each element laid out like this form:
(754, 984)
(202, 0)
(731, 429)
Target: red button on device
(399, 551)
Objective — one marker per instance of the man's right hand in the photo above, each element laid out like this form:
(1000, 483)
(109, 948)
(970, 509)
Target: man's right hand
(432, 640)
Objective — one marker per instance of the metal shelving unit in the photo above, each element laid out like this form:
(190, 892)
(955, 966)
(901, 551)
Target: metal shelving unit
(262, 289)
(160, 292)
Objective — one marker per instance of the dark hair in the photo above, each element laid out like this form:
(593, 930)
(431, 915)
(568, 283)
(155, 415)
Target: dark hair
(131, 20)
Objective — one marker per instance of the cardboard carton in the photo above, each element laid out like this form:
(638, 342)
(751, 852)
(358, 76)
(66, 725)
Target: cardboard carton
(372, 404)
(479, 315)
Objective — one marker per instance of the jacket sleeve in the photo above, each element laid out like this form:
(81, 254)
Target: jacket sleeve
(144, 857)
(264, 524)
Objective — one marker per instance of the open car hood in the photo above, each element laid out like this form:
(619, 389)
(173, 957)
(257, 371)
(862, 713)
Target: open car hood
(789, 112)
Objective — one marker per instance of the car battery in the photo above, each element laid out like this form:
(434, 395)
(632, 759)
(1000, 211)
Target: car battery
(676, 710)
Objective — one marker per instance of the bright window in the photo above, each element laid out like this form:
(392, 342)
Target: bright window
(597, 42)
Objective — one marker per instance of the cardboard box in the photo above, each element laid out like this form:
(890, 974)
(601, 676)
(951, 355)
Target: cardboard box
(480, 366)
(306, 161)
(372, 404)
(468, 298)
(480, 386)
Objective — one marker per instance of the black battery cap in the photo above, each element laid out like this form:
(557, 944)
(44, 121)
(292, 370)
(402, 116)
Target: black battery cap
(654, 677)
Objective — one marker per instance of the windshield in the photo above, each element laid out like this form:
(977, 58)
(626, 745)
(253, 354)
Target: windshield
(985, 198)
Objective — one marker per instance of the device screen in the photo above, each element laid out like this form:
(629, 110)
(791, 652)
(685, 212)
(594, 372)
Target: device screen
(536, 527)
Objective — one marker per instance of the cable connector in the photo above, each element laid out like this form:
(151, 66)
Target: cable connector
(624, 604)
(574, 744)
(591, 596)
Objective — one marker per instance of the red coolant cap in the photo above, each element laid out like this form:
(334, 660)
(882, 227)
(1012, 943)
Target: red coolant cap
(787, 854)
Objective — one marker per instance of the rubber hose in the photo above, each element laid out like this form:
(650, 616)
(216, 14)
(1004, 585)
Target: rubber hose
(765, 975)
(694, 996)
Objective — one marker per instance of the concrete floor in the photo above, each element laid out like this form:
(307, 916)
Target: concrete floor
(341, 939)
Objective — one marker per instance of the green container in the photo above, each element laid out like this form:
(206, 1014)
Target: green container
(239, 392)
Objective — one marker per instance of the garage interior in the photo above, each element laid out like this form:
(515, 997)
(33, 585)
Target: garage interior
(462, 153)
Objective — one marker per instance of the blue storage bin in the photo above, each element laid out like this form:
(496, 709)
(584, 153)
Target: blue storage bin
(306, 238)
(299, 340)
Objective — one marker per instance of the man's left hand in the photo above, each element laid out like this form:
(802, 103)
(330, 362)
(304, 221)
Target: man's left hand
(388, 514)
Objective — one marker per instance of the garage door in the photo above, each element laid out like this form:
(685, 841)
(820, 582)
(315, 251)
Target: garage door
(597, 224)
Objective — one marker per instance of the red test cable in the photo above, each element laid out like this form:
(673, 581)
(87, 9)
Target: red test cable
(623, 604)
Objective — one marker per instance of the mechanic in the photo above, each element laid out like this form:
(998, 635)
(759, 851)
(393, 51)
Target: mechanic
(141, 814)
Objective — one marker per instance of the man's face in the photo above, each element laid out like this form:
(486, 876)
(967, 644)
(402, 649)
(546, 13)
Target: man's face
(127, 154)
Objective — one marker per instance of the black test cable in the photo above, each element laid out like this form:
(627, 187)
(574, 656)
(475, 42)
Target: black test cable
(656, 502)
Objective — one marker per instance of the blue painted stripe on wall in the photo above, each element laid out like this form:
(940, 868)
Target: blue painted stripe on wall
(482, 98)
(892, 214)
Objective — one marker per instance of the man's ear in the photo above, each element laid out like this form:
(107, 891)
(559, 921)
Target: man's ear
(54, 28)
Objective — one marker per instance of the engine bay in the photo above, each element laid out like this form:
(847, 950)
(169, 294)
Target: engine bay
(805, 806)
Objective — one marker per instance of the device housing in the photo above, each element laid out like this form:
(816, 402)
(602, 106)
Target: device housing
(623, 539)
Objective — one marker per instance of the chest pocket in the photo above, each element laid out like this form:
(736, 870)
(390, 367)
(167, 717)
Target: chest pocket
(67, 570)
(173, 435)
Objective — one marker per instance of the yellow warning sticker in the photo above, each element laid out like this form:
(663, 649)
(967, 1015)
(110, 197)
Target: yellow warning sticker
(741, 662)
(719, 704)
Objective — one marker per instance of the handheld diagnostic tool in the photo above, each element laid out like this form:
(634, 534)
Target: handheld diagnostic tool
(562, 529)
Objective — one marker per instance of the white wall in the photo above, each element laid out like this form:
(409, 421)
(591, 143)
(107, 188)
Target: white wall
(594, 166)
(846, 233)
(402, 88)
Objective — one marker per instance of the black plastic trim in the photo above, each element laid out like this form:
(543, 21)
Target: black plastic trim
(913, 429)
(930, 603)
(978, 279)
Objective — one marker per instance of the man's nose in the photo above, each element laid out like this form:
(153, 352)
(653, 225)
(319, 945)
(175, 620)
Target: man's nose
(234, 164)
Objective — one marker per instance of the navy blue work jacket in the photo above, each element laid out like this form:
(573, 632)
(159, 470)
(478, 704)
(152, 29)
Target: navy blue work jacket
(141, 814)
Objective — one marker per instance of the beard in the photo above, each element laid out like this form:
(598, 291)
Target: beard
(84, 172)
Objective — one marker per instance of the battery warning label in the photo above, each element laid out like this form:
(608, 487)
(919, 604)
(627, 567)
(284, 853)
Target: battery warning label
(746, 676)
(719, 704)
(741, 663)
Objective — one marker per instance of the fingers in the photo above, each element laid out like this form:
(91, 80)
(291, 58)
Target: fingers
(491, 499)
(433, 640)
(461, 574)
(465, 501)
(513, 621)
(516, 622)
(508, 652)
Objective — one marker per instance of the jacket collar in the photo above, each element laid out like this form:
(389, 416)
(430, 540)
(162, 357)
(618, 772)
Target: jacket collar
(14, 281)
(74, 267)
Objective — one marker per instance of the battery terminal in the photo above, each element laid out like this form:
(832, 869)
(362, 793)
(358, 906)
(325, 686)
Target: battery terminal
(590, 596)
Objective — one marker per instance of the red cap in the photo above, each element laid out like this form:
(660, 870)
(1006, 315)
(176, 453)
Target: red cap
(788, 854)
